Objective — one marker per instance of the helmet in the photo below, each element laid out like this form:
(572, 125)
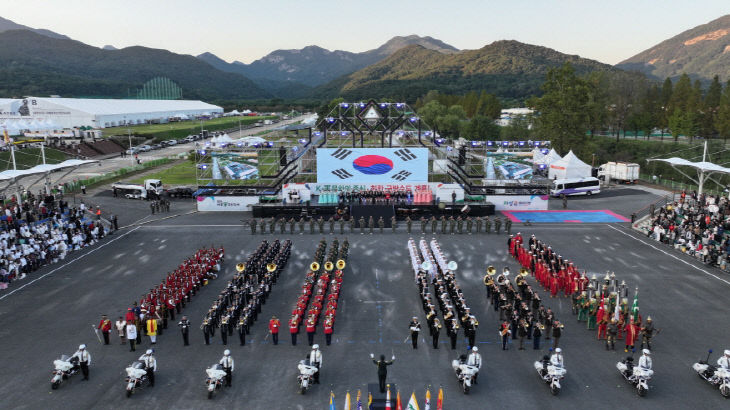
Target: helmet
(149, 351)
(646, 351)
(226, 352)
(315, 347)
(558, 350)
(474, 349)
(727, 352)
(82, 346)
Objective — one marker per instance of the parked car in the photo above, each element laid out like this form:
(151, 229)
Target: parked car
(171, 142)
(145, 148)
(156, 146)
(132, 151)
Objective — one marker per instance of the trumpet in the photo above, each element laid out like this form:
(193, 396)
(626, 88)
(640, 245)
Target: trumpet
(271, 267)
(240, 267)
(314, 266)
(341, 264)
(328, 266)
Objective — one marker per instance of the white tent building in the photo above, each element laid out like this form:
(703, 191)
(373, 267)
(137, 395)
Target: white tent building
(569, 166)
(96, 113)
(545, 159)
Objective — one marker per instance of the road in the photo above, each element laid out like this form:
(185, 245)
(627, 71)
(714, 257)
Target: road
(40, 320)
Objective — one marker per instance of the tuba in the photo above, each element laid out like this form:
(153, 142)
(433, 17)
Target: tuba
(328, 266)
(523, 272)
(314, 266)
(452, 265)
(426, 266)
(491, 270)
(240, 267)
(341, 264)
(271, 267)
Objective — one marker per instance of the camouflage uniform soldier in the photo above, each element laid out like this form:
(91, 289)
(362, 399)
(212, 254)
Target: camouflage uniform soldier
(479, 224)
(498, 224)
(409, 224)
(508, 225)
(253, 226)
(393, 223)
(292, 222)
(371, 224)
(332, 225)
(469, 224)
(460, 224)
(362, 225)
(487, 225)
(433, 224)
(311, 225)
(301, 225)
(381, 224)
(443, 224)
(423, 226)
(320, 224)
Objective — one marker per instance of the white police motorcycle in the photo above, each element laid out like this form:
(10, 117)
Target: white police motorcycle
(216, 375)
(550, 373)
(306, 373)
(464, 372)
(717, 376)
(63, 367)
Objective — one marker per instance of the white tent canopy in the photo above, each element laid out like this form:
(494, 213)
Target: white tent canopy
(569, 166)
(545, 159)
(704, 169)
(42, 169)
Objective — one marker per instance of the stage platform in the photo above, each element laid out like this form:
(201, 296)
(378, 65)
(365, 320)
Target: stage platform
(279, 210)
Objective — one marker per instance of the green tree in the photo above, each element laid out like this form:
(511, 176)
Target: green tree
(431, 111)
(458, 111)
(723, 113)
(666, 99)
(449, 125)
(562, 110)
(711, 105)
(481, 128)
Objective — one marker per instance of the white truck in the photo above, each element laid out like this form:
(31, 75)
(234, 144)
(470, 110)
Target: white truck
(150, 188)
(623, 172)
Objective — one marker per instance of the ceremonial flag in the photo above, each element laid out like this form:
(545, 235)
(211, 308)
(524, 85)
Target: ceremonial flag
(332, 401)
(359, 402)
(427, 403)
(440, 400)
(412, 403)
(370, 401)
(397, 402)
(387, 400)
(6, 137)
(347, 401)
(635, 306)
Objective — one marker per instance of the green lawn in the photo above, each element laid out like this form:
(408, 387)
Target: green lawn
(182, 129)
(184, 173)
(30, 157)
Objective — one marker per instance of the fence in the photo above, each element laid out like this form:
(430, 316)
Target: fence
(74, 186)
(709, 187)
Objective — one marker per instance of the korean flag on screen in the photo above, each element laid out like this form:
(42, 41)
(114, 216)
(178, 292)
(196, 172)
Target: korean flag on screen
(372, 165)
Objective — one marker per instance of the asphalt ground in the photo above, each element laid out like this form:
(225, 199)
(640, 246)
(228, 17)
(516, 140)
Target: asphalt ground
(50, 313)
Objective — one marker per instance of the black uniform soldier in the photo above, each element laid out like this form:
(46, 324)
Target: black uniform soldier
(443, 224)
(479, 224)
(423, 226)
(361, 221)
(224, 329)
(185, 329)
(332, 225)
(301, 225)
(435, 330)
(320, 225)
(415, 329)
(382, 369)
(508, 225)
(242, 330)
(381, 224)
(460, 224)
(452, 224)
(311, 225)
(282, 225)
(434, 222)
(252, 224)
(497, 224)
(469, 224)
(292, 222)
(342, 226)
(409, 224)
(371, 224)
(454, 331)
(206, 327)
(393, 223)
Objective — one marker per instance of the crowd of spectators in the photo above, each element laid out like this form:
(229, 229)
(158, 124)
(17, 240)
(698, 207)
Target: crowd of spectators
(697, 225)
(43, 230)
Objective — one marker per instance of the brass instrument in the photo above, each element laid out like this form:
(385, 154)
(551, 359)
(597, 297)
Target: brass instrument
(314, 266)
(491, 270)
(452, 266)
(340, 264)
(271, 267)
(523, 271)
(240, 267)
(328, 266)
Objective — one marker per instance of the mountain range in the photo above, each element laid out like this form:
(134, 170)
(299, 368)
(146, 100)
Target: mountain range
(701, 52)
(6, 25)
(41, 62)
(297, 70)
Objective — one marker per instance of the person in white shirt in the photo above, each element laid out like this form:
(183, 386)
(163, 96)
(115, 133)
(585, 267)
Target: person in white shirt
(228, 365)
(557, 358)
(131, 335)
(150, 364)
(475, 359)
(121, 326)
(84, 360)
(315, 359)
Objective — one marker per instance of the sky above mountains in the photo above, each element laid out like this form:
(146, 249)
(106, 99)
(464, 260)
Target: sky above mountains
(247, 30)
